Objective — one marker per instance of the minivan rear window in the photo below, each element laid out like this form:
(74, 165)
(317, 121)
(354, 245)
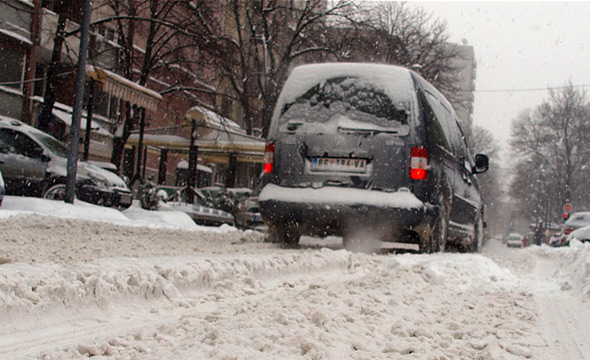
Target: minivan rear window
(352, 97)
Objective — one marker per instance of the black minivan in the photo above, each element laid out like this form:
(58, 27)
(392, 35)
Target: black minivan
(372, 153)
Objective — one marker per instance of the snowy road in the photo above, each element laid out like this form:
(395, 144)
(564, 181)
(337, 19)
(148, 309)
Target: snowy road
(87, 289)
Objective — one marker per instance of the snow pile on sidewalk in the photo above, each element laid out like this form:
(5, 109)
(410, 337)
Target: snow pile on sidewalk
(576, 272)
(574, 266)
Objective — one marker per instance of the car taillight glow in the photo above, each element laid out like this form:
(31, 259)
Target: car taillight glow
(269, 157)
(567, 231)
(419, 163)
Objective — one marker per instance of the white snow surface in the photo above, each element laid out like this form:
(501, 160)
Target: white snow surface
(80, 281)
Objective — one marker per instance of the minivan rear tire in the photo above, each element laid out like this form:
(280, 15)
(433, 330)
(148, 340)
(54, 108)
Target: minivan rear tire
(283, 234)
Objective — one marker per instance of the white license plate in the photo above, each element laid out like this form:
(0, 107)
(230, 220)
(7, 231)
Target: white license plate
(339, 165)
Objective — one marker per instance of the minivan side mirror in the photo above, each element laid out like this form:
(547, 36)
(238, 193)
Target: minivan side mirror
(482, 164)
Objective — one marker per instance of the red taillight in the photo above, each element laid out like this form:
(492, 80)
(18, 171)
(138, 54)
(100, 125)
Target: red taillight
(269, 157)
(567, 231)
(419, 163)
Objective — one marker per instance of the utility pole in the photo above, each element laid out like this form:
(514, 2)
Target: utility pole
(78, 102)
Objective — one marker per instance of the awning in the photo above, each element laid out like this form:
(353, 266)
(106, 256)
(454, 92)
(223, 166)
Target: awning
(66, 117)
(124, 89)
(216, 145)
(184, 165)
(208, 121)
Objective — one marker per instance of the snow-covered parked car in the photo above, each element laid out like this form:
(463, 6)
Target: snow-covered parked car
(34, 163)
(576, 221)
(581, 234)
(248, 214)
(365, 148)
(199, 211)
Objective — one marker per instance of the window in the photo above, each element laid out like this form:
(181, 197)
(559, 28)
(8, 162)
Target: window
(12, 69)
(358, 98)
(20, 143)
(104, 104)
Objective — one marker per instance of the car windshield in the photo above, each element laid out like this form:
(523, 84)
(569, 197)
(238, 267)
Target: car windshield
(54, 145)
(353, 97)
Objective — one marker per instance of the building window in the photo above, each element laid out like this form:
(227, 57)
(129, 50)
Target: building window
(12, 69)
(104, 104)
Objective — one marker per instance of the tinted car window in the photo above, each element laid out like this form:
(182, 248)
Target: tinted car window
(20, 143)
(52, 144)
(448, 123)
(357, 98)
(436, 130)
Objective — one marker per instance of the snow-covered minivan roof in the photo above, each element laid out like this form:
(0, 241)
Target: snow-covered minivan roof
(395, 81)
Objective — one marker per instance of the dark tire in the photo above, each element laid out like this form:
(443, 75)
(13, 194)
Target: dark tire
(54, 191)
(287, 235)
(438, 236)
(478, 237)
(439, 232)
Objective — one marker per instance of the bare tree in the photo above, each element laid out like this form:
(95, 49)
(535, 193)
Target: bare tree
(158, 38)
(259, 42)
(414, 38)
(554, 147)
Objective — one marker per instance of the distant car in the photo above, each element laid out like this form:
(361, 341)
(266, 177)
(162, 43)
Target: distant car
(2, 188)
(514, 240)
(248, 215)
(576, 221)
(34, 163)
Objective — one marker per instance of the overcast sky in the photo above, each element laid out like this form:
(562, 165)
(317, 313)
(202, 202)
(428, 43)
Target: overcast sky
(518, 45)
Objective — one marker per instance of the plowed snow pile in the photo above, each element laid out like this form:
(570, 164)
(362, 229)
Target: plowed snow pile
(153, 285)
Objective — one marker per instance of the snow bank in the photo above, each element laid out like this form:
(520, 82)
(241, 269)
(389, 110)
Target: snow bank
(574, 266)
(26, 289)
(576, 273)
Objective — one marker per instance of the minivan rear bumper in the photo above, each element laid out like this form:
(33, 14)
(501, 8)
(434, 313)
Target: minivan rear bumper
(340, 211)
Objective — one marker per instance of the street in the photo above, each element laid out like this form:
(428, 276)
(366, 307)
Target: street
(77, 288)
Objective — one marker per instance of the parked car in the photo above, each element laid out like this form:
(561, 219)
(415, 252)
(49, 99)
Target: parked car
(373, 149)
(2, 188)
(248, 214)
(582, 234)
(514, 240)
(35, 164)
(576, 221)
(199, 211)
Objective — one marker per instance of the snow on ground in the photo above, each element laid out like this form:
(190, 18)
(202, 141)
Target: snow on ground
(81, 281)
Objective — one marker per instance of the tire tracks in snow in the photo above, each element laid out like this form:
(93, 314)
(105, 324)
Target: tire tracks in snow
(99, 329)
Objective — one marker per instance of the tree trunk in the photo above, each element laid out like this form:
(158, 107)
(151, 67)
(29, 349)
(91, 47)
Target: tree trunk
(52, 72)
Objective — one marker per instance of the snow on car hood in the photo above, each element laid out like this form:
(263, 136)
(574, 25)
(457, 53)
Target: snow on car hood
(58, 166)
(341, 196)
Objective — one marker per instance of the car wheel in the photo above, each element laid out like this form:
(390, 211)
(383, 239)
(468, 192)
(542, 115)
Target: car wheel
(54, 192)
(438, 236)
(287, 235)
(477, 244)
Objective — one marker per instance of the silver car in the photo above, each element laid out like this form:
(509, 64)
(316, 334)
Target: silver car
(34, 163)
